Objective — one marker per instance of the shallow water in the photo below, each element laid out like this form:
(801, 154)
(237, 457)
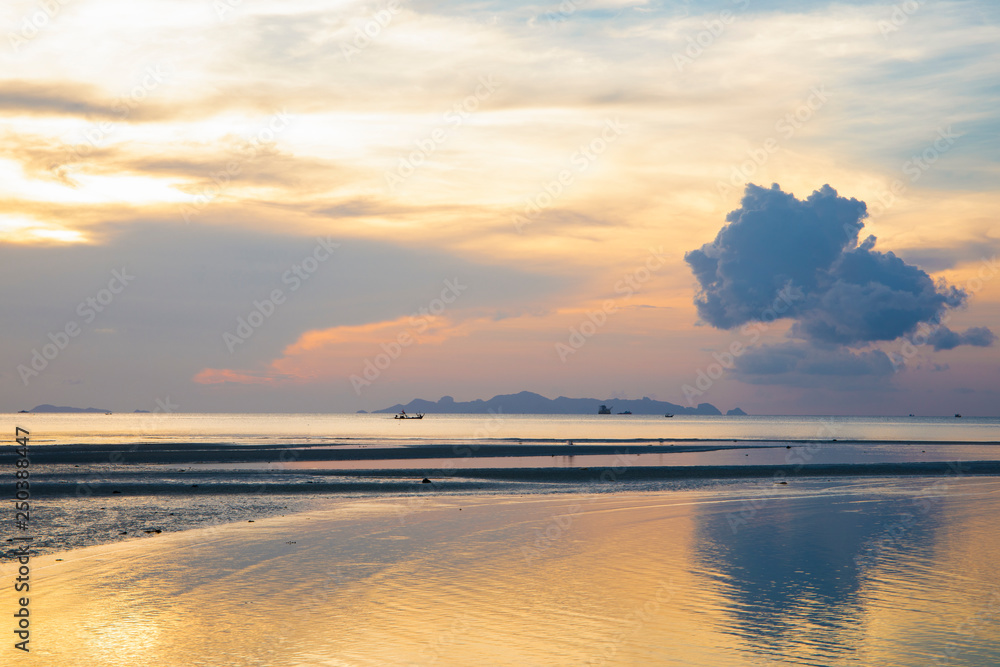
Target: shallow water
(873, 572)
(303, 428)
(195, 469)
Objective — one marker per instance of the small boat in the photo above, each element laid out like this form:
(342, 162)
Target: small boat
(668, 416)
(627, 412)
(958, 416)
(403, 415)
(604, 410)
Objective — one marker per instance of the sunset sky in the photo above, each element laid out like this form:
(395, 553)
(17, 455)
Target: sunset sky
(331, 206)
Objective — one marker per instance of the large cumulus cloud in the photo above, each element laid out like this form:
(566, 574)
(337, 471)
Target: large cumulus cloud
(779, 257)
(772, 241)
(842, 292)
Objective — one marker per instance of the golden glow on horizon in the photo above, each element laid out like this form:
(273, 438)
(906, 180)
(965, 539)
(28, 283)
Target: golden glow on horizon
(17, 229)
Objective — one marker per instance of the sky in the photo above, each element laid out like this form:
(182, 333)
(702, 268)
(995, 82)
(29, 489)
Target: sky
(261, 206)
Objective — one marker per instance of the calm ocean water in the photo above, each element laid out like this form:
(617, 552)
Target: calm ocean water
(313, 428)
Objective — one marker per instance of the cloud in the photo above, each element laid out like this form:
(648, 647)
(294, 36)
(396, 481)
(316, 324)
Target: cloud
(780, 257)
(944, 338)
(773, 241)
(88, 101)
(333, 353)
(800, 364)
(941, 258)
(60, 98)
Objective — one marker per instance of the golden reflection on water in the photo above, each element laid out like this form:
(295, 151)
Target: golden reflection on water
(819, 573)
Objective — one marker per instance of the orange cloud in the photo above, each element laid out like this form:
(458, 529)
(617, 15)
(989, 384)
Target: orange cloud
(223, 375)
(335, 352)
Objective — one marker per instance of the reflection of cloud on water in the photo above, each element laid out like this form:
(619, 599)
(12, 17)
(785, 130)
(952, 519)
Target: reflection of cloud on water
(792, 574)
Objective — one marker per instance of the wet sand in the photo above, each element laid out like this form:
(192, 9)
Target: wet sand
(494, 480)
(221, 468)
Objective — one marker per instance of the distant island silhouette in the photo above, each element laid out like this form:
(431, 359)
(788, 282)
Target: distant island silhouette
(45, 407)
(530, 403)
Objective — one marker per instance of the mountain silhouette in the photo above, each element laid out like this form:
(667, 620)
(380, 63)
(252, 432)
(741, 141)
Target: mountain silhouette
(530, 403)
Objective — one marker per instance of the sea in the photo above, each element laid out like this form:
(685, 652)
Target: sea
(313, 540)
(98, 428)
